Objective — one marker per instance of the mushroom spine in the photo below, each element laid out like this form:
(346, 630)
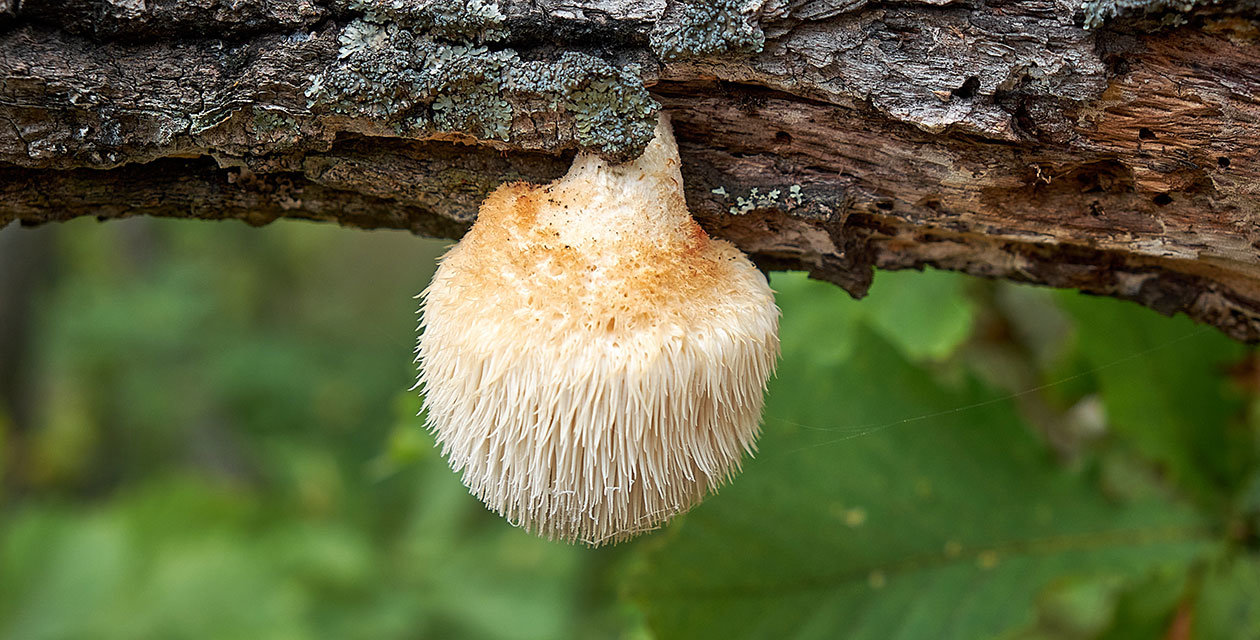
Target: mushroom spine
(592, 362)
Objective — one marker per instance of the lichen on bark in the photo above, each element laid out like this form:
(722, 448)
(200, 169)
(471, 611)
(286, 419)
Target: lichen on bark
(425, 70)
(1002, 139)
(1158, 13)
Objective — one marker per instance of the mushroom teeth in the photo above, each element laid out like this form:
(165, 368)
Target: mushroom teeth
(591, 361)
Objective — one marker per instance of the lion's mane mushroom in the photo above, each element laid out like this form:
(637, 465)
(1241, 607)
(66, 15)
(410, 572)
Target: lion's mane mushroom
(590, 359)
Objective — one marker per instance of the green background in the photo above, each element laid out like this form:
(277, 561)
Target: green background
(206, 432)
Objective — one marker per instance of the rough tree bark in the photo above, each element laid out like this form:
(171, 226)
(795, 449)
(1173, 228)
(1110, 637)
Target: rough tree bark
(1110, 147)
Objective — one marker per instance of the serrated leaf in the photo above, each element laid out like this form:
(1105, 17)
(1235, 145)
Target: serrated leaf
(854, 522)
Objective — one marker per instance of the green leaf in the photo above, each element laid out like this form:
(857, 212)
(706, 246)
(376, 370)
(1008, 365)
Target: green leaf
(1229, 601)
(1077, 607)
(1147, 609)
(1164, 393)
(925, 314)
(58, 579)
(830, 314)
(858, 520)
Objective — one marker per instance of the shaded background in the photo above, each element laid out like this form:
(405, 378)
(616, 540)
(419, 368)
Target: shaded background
(206, 432)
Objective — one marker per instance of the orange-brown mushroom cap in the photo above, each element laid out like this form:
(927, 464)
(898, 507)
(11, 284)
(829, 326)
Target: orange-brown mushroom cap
(591, 361)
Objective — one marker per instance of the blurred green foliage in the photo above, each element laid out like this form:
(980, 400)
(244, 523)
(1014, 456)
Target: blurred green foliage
(217, 440)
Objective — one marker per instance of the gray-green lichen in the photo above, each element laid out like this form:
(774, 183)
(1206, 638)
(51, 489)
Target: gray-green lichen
(267, 121)
(757, 199)
(700, 28)
(1168, 13)
(600, 106)
(418, 85)
(274, 128)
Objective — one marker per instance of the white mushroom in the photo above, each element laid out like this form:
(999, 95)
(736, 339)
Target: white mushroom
(591, 360)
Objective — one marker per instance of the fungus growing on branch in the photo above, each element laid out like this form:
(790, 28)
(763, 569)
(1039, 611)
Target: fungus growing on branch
(591, 361)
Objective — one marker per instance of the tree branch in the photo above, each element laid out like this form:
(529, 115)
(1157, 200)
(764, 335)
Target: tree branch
(1002, 139)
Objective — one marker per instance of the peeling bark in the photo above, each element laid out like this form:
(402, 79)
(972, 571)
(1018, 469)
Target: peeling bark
(1001, 139)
